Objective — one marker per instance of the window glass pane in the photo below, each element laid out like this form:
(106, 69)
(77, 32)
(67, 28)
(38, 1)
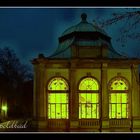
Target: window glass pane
(82, 98)
(124, 110)
(89, 84)
(89, 99)
(94, 98)
(56, 103)
(64, 110)
(51, 109)
(94, 111)
(58, 84)
(119, 97)
(58, 98)
(88, 110)
(124, 98)
(64, 98)
(119, 84)
(113, 111)
(113, 98)
(118, 110)
(58, 111)
(51, 98)
(83, 113)
(120, 114)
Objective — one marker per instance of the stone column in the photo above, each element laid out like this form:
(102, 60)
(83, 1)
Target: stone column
(41, 97)
(104, 99)
(41, 94)
(35, 98)
(135, 98)
(73, 98)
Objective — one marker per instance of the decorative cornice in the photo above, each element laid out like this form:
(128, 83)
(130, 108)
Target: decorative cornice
(86, 60)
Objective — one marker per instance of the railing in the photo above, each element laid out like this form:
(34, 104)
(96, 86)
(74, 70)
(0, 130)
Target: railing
(119, 123)
(57, 123)
(89, 123)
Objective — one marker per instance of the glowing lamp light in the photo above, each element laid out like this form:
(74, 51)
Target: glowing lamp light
(4, 108)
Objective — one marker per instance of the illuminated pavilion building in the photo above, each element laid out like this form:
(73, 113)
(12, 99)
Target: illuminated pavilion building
(86, 85)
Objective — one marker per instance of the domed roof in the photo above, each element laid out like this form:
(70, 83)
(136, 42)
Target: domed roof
(84, 26)
(83, 34)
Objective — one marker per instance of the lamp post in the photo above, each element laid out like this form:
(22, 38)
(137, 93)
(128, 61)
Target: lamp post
(4, 111)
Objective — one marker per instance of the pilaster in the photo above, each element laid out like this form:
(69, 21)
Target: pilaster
(135, 98)
(135, 91)
(73, 97)
(39, 92)
(104, 99)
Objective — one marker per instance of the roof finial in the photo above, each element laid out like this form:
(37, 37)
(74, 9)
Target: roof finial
(83, 16)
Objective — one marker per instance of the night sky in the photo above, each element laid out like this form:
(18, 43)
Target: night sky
(30, 31)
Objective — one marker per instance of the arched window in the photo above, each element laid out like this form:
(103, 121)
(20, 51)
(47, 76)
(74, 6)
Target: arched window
(58, 98)
(118, 98)
(88, 98)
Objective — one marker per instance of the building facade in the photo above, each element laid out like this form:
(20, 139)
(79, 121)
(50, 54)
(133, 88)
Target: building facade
(86, 86)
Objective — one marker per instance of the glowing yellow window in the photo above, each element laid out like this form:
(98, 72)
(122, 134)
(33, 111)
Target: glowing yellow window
(118, 98)
(58, 98)
(88, 98)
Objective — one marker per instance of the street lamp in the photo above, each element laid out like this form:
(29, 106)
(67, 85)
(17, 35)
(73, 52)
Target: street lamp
(4, 109)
